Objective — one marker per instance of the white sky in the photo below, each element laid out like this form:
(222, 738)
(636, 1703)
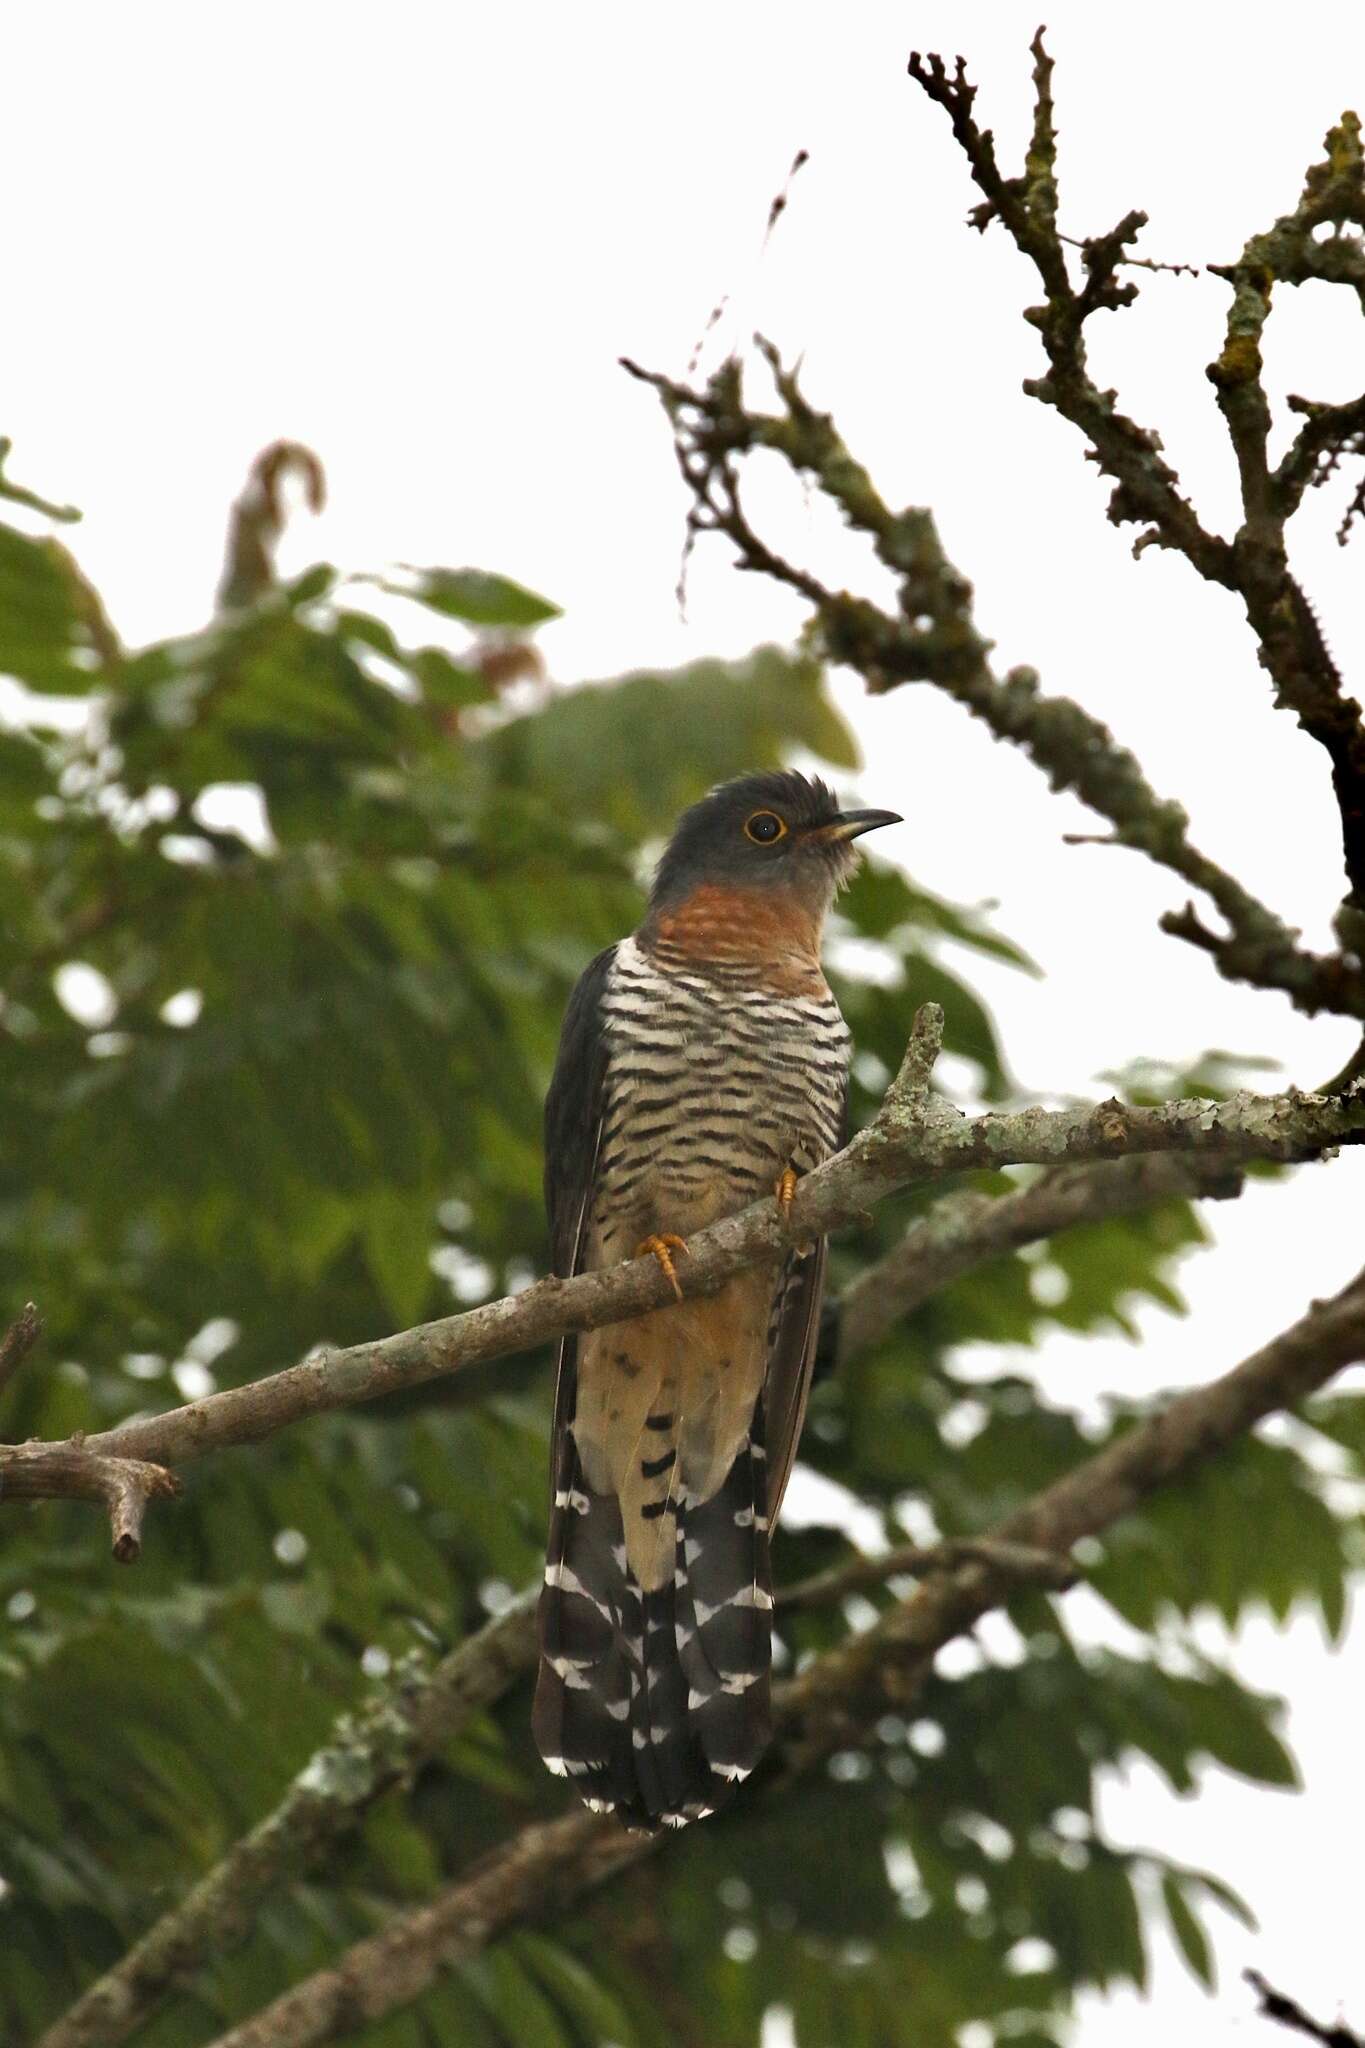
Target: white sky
(418, 237)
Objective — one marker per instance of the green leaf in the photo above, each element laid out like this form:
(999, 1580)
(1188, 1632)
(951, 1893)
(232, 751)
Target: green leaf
(596, 2014)
(398, 1250)
(40, 626)
(1190, 1937)
(476, 596)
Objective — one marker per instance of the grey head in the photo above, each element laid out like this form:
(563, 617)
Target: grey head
(779, 830)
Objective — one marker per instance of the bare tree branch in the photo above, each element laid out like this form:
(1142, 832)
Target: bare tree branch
(1276, 2006)
(931, 637)
(1147, 488)
(76, 1471)
(1254, 563)
(834, 1703)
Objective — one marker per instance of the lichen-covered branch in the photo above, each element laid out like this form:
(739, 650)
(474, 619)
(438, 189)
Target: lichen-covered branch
(915, 1138)
(369, 1752)
(382, 1746)
(1147, 488)
(835, 1702)
(1254, 563)
(964, 1230)
(932, 637)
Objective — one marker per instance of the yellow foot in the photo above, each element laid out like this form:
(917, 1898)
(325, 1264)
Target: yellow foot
(786, 1190)
(662, 1247)
(786, 1195)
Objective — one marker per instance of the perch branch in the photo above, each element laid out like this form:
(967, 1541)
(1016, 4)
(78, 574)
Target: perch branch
(915, 1138)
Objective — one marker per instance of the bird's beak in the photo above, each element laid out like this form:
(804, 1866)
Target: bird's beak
(852, 824)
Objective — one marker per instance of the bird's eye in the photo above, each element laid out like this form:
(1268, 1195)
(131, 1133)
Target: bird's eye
(764, 827)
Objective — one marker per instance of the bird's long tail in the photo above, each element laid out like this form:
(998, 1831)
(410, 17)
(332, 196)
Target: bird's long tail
(655, 1704)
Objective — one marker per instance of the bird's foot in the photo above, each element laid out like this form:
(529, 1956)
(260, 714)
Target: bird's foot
(661, 1246)
(785, 1191)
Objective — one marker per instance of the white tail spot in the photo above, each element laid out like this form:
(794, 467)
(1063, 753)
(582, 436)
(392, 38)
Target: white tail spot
(565, 1577)
(739, 1681)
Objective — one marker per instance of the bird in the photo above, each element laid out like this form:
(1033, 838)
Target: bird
(702, 1064)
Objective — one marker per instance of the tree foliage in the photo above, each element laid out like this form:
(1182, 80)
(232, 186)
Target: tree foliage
(289, 910)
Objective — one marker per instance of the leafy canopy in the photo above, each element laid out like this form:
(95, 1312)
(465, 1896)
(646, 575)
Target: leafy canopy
(289, 911)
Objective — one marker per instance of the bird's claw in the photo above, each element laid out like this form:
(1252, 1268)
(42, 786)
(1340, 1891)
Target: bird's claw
(661, 1245)
(785, 1191)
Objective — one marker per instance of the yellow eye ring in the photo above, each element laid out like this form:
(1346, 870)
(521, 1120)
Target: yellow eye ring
(765, 828)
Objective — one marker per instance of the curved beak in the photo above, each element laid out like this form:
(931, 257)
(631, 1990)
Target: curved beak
(852, 824)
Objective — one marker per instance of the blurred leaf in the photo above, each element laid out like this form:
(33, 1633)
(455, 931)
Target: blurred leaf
(1190, 1937)
(475, 596)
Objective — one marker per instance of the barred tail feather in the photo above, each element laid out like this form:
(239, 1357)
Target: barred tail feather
(723, 1632)
(655, 1705)
(588, 1650)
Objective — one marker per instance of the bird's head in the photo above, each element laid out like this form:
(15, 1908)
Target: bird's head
(781, 831)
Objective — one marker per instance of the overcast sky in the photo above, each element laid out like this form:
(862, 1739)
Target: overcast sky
(418, 237)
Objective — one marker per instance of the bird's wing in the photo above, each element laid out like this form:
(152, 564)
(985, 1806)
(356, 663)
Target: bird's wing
(573, 1116)
(793, 1339)
(586, 1634)
(793, 1331)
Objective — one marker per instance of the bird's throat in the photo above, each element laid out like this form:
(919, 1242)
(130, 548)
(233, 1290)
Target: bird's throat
(770, 935)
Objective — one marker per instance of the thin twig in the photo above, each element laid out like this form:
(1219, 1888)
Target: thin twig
(931, 637)
(18, 1340)
(1276, 2006)
(1022, 1561)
